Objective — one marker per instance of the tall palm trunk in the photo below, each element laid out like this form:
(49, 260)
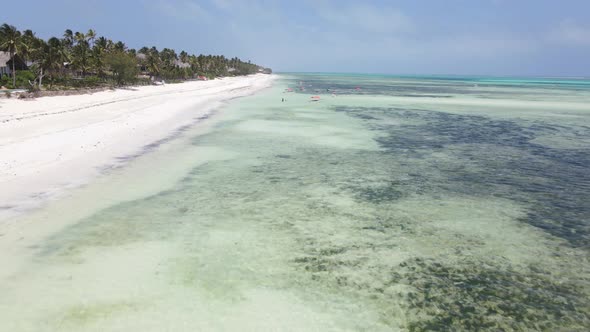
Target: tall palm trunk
(41, 79)
(13, 71)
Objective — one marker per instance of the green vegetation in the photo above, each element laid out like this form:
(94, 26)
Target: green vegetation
(12, 42)
(86, 60)
(123, 67)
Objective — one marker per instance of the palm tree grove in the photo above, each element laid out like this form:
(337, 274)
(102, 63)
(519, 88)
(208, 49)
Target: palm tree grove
(85, 60)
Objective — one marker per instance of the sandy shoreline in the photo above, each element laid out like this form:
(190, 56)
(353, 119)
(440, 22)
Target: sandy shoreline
(52, 144)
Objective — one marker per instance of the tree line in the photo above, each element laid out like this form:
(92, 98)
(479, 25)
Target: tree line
(79, 59)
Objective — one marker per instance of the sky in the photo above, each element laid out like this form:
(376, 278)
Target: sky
(406, 37)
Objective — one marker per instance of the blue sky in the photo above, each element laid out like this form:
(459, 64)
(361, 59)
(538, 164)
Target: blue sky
(488, 37)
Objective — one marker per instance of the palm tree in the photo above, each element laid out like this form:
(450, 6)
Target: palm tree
(90, 35)
(192, 60)
(87, 52)
(168, 57)
(119, 47)
(184, 57)
(152, 60)
(38, 54)
(28, 39)
(81, 52)
(68, 40)
(11, 42)
(101, 46)
(35, 49)
(54, 57)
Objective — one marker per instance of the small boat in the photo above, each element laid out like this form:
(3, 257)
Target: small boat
(315, 98)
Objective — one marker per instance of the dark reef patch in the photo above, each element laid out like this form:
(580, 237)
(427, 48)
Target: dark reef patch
(433, 87)
(488, 157)
(472, 296)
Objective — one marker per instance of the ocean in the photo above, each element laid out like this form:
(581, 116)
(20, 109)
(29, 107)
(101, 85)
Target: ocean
(388, 204)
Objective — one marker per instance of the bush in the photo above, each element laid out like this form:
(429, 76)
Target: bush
(92, 81)
(86, 82)
(23, 77)
(6, 81)
(123, 66)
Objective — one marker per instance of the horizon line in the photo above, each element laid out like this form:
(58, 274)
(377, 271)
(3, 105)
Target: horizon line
(438, 75)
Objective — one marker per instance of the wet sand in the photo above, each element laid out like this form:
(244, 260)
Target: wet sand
(53, 144)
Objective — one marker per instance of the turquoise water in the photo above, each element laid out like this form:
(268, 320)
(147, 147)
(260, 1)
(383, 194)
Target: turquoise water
(560, 83)
(410, 204)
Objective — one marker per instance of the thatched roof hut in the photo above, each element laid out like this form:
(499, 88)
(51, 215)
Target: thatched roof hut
(6, 63)
(181, 64)
(4, 67)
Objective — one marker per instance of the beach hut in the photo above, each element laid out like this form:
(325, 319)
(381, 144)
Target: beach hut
(181, 64)
(4, 67)
(142, 63)
(6, 63)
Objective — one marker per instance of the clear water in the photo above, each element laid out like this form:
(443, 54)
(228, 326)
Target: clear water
(412, 204)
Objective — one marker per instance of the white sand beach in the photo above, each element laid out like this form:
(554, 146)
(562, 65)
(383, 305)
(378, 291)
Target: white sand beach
(51, 144)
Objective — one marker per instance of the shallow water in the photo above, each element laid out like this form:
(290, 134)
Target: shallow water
(413, 204)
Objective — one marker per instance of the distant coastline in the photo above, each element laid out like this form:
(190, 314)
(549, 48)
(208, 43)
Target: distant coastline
(79, 60)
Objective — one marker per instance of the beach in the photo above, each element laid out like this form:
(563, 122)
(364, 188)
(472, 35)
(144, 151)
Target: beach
(52, 144)
(313, 166)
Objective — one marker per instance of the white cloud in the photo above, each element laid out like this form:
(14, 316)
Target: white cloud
(572, 33)
(223, 4)
(482, 46)
(356, 35)
(185, 10)
(365, 17)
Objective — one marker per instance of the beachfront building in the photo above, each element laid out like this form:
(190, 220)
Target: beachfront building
(180, 64)
(6, 64)
(4, 67)
(141, 62)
